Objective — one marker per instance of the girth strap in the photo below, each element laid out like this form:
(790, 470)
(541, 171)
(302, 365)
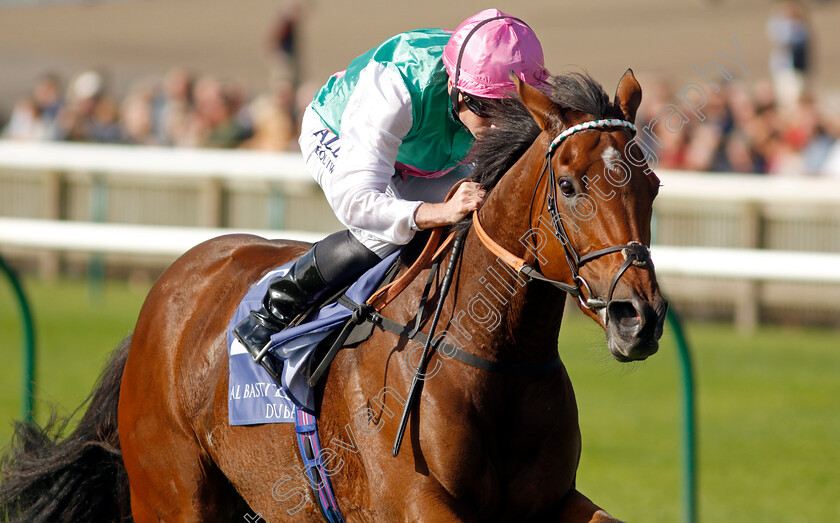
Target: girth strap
(448, 350)
(309, 444)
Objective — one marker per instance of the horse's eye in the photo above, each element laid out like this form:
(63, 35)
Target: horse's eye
(567, 187)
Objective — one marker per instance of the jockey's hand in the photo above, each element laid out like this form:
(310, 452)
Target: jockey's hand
(467, 198)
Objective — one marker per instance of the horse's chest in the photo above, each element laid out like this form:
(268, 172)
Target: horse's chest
(522, 456)
(536, 462)
(537, 468)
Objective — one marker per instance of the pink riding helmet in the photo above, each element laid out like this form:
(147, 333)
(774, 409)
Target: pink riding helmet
(495, 49)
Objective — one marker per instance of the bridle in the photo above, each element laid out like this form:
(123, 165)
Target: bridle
(635, 253)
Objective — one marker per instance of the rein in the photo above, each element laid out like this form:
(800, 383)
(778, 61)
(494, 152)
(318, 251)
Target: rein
(635, 253)
(413, 391)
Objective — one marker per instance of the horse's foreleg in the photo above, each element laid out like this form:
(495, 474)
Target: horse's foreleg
(433, 505)
(577, 508)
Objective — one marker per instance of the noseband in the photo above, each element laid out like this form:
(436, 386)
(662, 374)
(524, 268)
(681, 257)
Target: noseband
(635, 253)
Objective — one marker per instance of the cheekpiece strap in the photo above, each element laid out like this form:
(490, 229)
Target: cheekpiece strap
(594, 124)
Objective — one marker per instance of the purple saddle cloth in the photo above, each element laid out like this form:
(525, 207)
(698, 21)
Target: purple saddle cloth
(254, 397)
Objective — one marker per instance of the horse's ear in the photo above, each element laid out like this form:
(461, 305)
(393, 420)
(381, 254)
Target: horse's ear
(538, 104)
(628, 96)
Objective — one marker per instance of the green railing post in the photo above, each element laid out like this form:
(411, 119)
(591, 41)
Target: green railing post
(98, 214)
(27, 405)
(689, 424)
(276, 208)
(689, 457)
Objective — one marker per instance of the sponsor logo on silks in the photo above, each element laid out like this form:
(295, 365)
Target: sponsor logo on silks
(326, 150)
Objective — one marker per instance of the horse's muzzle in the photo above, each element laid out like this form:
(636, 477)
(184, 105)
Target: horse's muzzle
(634, 327)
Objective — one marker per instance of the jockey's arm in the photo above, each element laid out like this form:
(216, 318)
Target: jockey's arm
(466, 199)
(377, 117)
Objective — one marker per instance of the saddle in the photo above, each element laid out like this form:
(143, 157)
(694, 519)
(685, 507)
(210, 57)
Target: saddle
(343, 319)
(360, 326)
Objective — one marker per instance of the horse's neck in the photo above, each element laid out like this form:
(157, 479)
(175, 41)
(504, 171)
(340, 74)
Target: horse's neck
(498, 315)
(504, 318)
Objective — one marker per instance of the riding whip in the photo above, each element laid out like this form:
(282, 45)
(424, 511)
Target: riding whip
(413, 391)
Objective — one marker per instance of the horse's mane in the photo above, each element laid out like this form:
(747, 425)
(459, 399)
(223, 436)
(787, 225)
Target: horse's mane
(498, 149)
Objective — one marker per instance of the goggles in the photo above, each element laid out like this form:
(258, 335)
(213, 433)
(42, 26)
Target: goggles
(475, 104)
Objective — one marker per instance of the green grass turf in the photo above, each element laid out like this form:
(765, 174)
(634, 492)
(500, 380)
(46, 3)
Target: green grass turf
(76, 327)
(769, 417)
(768, 424)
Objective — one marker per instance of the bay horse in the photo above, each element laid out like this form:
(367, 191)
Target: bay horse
(155, 443)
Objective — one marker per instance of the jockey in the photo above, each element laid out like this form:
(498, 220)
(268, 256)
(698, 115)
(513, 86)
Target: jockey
(386, 140)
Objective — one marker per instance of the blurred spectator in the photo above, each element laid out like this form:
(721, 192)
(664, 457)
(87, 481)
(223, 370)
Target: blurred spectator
(34, 117)
(673, 153)
(703, 147)
(807, 135)
(707, 147)
(740, 156)
(89, 114)
(25, 122)
(172, 106)
(239, 98)
(274, 129)
(283, 43)
(136, 117)
(47, 94)
(790, 59)
(213, 122)
(105, 125)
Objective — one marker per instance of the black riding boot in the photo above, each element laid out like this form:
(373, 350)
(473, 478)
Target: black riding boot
(330, 264)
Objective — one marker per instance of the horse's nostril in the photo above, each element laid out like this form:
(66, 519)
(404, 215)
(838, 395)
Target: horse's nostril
(624, 316)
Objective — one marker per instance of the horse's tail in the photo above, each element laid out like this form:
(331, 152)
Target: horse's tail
(80, 478)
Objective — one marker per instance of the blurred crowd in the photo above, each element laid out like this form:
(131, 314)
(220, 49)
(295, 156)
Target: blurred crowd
(746, 129)
(775, 126)
(177, 109)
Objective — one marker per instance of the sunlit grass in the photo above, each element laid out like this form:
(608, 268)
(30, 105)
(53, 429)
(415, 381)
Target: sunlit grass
(768, 433)
(769, 416)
